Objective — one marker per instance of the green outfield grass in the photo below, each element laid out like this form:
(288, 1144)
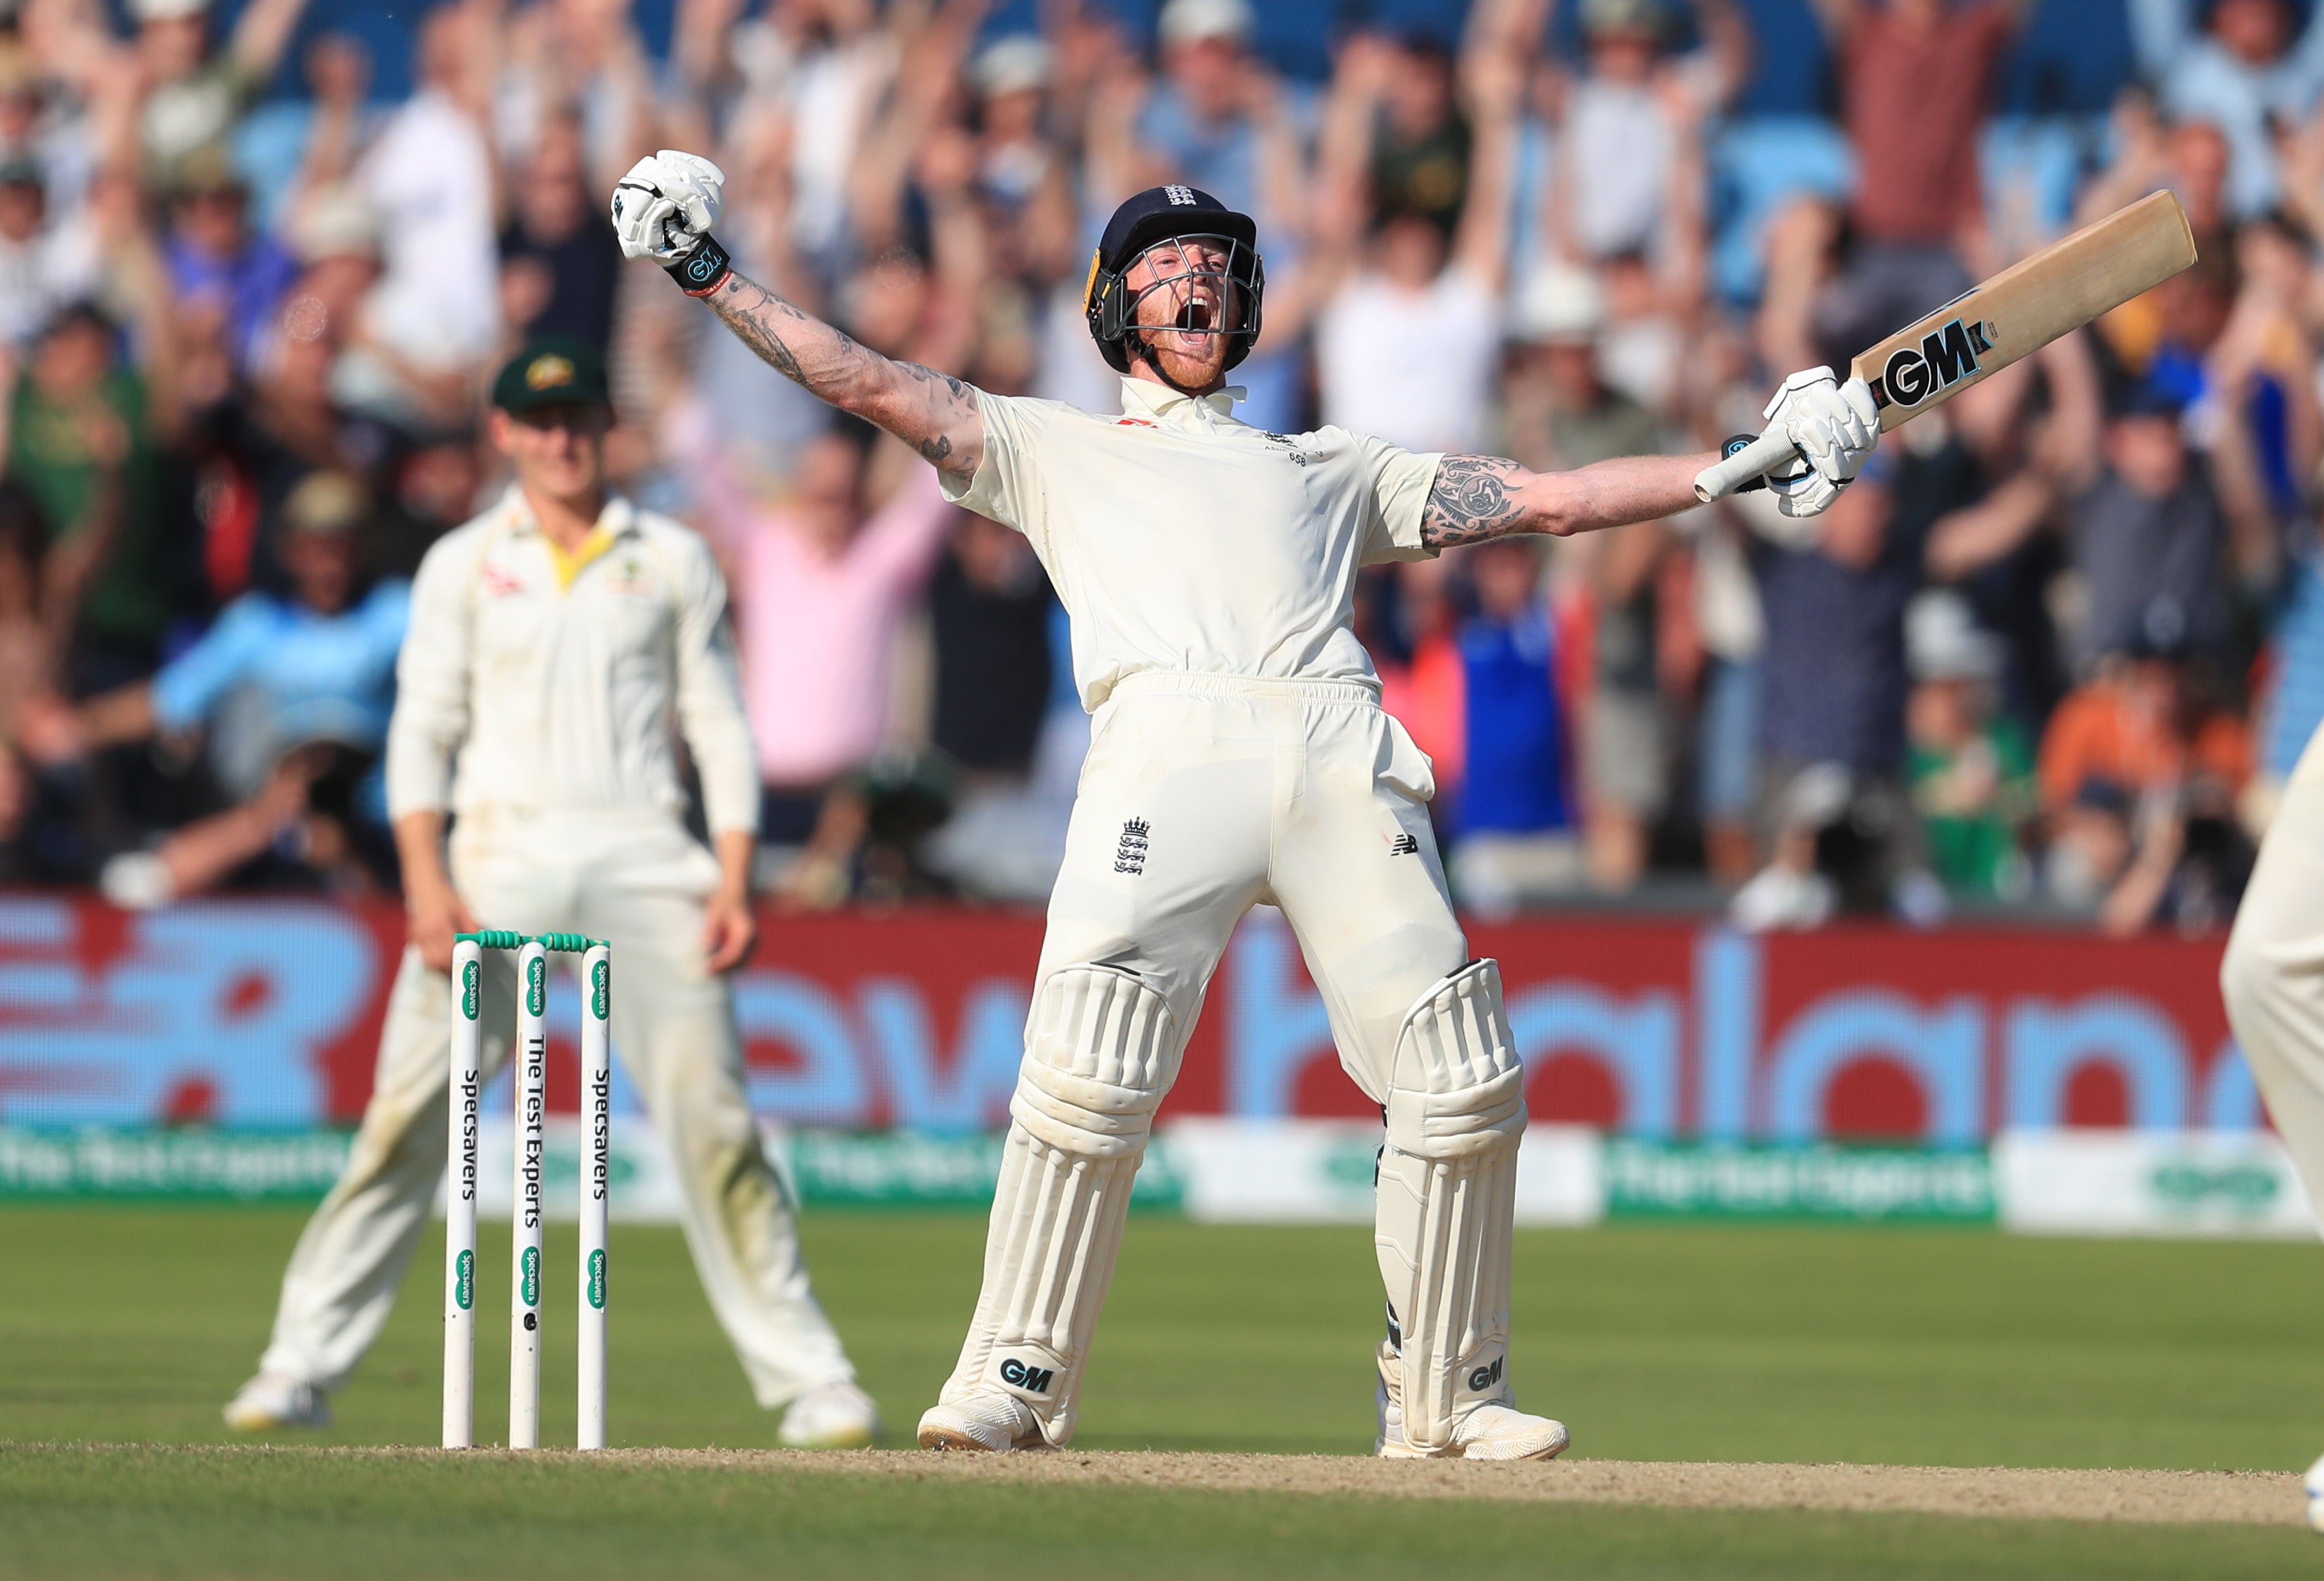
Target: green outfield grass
(1668, 1343)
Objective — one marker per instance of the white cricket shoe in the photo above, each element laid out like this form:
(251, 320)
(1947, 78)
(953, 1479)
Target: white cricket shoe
(1486, 1431)
(276, 1400)
(831, 1416)
(2314, 1483)
(982, 1421)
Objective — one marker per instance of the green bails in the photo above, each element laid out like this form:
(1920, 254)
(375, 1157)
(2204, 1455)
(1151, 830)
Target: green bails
(501, 939)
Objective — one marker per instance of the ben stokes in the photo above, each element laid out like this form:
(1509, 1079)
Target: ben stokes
(1239, 754)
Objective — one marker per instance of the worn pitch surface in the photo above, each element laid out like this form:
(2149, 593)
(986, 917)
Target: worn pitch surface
(1990, 1492)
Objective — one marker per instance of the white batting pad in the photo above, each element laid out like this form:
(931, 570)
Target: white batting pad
(1101, 1050)
(1446, 1197)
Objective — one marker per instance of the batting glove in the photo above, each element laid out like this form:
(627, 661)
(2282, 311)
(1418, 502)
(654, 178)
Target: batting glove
(664, 207)
(1835, 427)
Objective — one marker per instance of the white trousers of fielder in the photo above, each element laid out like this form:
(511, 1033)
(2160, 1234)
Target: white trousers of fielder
(1202, 796)
(639, 880)
(2273, 971)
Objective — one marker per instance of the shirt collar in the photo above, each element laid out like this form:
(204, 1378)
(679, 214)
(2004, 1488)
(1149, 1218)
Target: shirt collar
(1144, 398)
(618, 518)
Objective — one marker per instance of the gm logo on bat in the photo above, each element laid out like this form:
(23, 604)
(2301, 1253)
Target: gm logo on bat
(1913, 374)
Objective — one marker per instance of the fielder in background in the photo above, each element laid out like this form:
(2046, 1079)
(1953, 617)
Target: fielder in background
(2274, 980)
(553, 641)
(1239, 755)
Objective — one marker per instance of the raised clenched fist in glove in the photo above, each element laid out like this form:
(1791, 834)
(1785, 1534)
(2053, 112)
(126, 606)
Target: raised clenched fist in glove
(663, 209)
(666, 205)
(1834, 425)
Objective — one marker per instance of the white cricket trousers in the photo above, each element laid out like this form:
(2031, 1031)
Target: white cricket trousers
(640, 882)
(2274, 973)
(1204, 795)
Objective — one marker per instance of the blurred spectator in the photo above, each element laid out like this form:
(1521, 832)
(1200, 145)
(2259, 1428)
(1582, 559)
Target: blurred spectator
(1842, 826)
(2140, 775)
(1405, 349)
(821, 584)
(560, 263)
(2249, 62)
(1630, 116)
(1562, 414)
(194, 94)
(216, 266)
(1516, 842)
(2146, 519)
(41, 126)
(1218, 120)
(1971, 769)
(81, 440)
(293, 695)
(1199, 122)
(1733, 632)
(288, 149)
(433, 320)
(1420, 143)
(989, 608)
(1916, 81)
(45, 264)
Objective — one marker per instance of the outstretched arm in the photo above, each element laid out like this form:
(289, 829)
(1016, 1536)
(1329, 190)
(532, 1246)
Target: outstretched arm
(1477, 497)
(664, 208)
(935, 413)
(1832, 428)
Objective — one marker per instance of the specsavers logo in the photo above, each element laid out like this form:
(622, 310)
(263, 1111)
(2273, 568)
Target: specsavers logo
(536, 985)
(531, 1273)
(471, 989)
(601, 989)
(2239, 1188)
(463, 1281)
(597, 1279)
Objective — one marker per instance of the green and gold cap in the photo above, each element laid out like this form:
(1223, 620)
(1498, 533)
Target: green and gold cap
(552, 373)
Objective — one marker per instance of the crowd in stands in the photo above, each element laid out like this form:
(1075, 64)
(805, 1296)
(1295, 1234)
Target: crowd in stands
(2052, 653)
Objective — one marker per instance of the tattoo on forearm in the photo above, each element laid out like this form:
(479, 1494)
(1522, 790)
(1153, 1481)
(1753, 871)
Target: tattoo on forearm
(746, 307)
(1470, 502)
(918, 404)
(959, 388)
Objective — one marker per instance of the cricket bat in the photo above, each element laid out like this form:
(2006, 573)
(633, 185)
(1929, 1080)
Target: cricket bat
(2017, 312)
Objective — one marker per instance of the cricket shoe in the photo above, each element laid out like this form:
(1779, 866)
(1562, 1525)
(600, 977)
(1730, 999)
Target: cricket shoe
(276, 1400)
(831, 1416)
(1487, 1431)
(982, 1421)
(2314, 1483)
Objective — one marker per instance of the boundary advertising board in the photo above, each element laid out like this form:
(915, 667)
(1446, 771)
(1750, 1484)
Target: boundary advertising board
(264, 1013)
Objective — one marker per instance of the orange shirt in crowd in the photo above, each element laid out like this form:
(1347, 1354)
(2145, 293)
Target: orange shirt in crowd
(2103, 732)
(1429, 698)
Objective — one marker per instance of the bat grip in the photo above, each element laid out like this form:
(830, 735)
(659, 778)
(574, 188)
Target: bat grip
(1761, 455)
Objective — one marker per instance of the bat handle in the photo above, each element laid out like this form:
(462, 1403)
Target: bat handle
(1761, 457)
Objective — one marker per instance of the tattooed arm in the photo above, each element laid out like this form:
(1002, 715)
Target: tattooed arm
(933, 412)
(1477, 497)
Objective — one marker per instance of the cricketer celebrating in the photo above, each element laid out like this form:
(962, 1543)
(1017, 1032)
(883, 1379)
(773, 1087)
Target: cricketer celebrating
(1239, 754)
(2274, 978)
(555, 640)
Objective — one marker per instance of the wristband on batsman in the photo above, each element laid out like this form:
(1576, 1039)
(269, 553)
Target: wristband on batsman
(704, 269)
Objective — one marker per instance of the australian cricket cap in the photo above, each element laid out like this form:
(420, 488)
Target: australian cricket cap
(552, 373)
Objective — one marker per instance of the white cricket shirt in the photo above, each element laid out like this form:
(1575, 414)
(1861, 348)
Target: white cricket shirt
(1179, 538)
(530, 685)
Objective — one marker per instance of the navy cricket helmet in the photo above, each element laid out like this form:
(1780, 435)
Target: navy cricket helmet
(1172, 214)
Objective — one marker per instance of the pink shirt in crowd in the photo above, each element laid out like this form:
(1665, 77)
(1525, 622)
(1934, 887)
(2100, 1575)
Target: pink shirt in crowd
(817, 629)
